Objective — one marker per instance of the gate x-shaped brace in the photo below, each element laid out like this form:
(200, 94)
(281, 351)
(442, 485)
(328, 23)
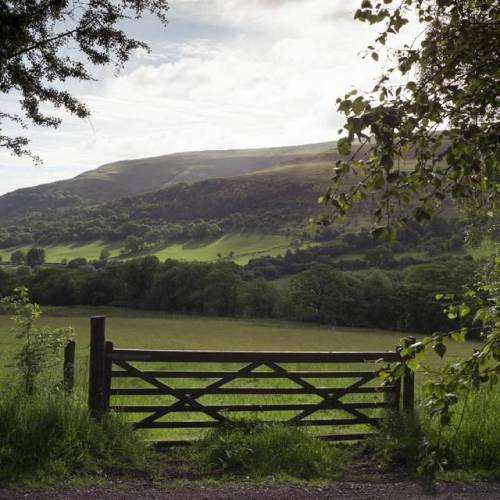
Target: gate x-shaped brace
(330, 401)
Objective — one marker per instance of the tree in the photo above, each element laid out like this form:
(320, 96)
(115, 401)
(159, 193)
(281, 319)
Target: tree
(35, 257)
(258, 298)
(444, 117)
(39, 345)
(43, 43)
(132, 245)
(221, 289)
(319, 294)
(104, 255)
(77, 262)
(441, 113)
(18, 257)
(381, 256)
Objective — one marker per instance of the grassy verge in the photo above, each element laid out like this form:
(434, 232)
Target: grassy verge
(50, 436)
(471, 442)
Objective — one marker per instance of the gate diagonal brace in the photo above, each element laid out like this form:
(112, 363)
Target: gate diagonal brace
(183, 399)
(333, 401)
(166, 389)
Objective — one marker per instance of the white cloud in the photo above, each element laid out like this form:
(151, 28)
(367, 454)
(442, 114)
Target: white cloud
(264, 73)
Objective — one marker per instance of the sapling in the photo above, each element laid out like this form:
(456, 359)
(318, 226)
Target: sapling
(40, 345)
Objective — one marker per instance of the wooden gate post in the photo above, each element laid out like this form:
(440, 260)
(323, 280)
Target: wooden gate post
(409, 383)
(97, 401)
(108, 349)
(69, 366)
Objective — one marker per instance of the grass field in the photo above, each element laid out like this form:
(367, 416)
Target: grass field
(56, 253)
(245, 246)
(137, 329)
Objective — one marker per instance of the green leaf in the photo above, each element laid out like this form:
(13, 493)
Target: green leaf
(464, 310)
(421, 214)
(343, 146)
(413, 365)
(374, 56)
(358, 105)
(459, 336)
(439, 349)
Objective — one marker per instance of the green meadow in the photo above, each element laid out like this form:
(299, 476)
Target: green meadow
(244, 246)
(154, 330)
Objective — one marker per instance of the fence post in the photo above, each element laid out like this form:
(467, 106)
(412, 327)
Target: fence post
(108, 349)
(96, 365)
(69, 366)
(409, 383)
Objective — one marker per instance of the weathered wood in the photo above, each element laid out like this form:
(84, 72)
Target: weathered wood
(249, 356)
(256, 375)
(182, 400)
(96, 366)
(333, 399)
(165, 389)
(250, 390)
(409, 384)
(69, 366)
(108, 349)
(246, 369)
(252, 407)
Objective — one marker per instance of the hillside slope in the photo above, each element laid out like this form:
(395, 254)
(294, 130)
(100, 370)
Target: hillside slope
(134, 177)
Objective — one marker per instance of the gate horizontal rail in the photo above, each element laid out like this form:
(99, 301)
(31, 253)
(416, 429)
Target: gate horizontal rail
(108, 363)
(251, 356)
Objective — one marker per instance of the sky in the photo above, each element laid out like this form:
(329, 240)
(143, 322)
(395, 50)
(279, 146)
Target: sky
(222, 74)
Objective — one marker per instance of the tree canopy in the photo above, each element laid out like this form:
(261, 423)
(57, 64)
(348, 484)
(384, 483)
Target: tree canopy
(45, 43)
(440, 100)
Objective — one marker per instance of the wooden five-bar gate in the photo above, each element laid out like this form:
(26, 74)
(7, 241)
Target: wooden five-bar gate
(109, 364)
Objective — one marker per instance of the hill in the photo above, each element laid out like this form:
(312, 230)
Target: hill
(265, 201)
(134, 177)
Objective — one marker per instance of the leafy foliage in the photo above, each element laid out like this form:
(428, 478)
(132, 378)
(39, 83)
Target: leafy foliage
(446, 111)
(439, 101)
(399, 299)
(37, 41)
(40, 345)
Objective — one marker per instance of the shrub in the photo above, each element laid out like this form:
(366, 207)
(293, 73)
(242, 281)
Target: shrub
(257, 449)
(399, 441)
(50, 435)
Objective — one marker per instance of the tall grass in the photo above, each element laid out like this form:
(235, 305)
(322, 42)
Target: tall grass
(473, 439)
(471, 443)
(51, 435)
(257, 449)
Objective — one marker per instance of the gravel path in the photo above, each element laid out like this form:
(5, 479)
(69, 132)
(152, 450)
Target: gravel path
(342, 490)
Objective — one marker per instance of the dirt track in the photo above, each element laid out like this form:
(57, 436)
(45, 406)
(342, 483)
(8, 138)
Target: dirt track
(341, 490)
